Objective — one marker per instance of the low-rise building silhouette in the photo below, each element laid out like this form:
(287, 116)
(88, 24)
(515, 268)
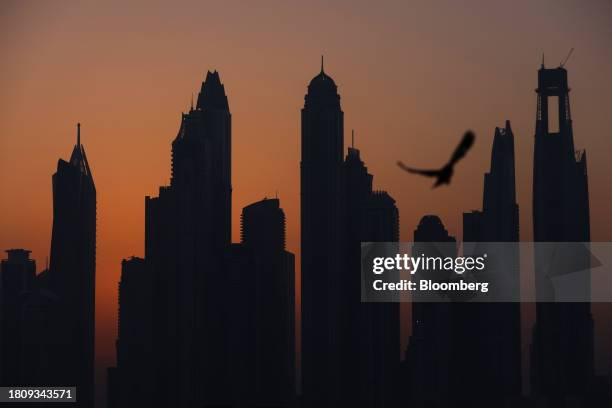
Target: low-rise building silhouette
(17, 274)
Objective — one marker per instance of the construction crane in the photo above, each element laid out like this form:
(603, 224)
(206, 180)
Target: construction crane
(569, 54)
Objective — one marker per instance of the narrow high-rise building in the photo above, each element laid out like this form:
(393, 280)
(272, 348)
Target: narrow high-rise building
(562, 346)
(490, 333)
(129, 382)
(498, 220)
(17, 274)
(188, 236)
(272, 299)
(72, 274)
(350, 349)
(371, 359)
(322, 236)
(429, 372)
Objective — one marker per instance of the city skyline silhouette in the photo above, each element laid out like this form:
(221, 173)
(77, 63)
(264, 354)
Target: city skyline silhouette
(130, 120)
(189, 257)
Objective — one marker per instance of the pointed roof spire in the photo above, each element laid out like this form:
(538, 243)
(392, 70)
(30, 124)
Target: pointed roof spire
(542, 60)
(212, 94)
(78, 157)
(353, 154)
(322, 71)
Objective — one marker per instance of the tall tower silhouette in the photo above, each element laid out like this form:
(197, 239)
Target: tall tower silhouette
(187, 230)
(322, 235)
(562, 347)
(498, 220)
(370, 355)
(271, 297)
(201, 153)
(489, 332)
(72, 274)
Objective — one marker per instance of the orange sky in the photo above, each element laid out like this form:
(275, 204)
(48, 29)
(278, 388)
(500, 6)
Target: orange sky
(412, 76)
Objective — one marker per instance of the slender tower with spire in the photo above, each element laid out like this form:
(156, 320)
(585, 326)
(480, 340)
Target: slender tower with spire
(72, 273)
(322, 234)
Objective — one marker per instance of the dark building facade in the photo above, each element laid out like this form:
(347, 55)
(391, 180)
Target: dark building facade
(468, 354)
(490, 333)
(129, 383)
(70, 280)
(17, 275)
(243, 361)
(372, 356)
(219, 317)
(187, 239)
(271, 296)
(429, 371)
(498, 220)
(350, 349)
(322, 236)
(53, 313)
(562, 346)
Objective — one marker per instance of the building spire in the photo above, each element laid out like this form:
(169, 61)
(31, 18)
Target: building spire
(353, 138)
(322, 64)
(78, 134)
(542, 60)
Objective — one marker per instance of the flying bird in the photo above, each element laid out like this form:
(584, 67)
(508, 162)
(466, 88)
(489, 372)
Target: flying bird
(444, 175)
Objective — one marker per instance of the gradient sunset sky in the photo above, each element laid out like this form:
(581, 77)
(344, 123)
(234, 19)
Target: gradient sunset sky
(412, 76)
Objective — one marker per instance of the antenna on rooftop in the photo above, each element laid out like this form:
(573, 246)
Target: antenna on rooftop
(569, 54)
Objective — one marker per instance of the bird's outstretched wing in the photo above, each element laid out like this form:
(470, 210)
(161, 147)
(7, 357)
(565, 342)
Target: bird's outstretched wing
(429, 173)
(462, 149)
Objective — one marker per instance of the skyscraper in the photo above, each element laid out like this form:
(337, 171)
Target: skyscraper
(429, 367)
(322, 235)
(498, 220)
(72, 274)
(350, 349)
(272, 297)
(133, 375)
(490, 333)
(371, 362)
(562, 347)
(188, 233)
